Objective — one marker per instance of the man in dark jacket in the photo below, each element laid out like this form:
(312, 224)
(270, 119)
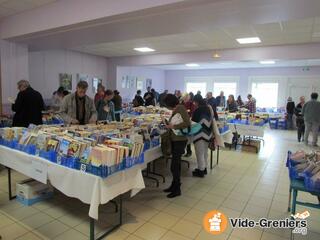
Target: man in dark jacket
(162, 96)
(28, 106)
(149, 98)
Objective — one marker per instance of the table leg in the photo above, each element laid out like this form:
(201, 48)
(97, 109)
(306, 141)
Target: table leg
(11, 197)
(102, 236)
(155, 173)
(294, 200)
(211, 164)
(92, 229)
(218, 155)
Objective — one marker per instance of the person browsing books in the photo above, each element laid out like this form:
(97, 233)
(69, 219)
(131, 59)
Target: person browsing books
(28, 106)
(105, 107)
(78, 108)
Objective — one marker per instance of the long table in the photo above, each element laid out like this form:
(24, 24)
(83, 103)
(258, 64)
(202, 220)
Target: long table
(88, 188)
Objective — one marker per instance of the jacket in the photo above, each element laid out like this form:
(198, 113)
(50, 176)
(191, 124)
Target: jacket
(221, 101)
(310, 111)
(299, 116)
(290, 107)
(138, 101)
(232, 107)
(28, 108)
(68, 109)
(185, 124)
(203, 116)
(102, 114)
(117, 100)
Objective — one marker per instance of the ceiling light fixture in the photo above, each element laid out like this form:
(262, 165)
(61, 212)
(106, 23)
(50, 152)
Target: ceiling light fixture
(192, 65)
(268, 62)
(249, 40)
(144, 49)
(216, 55)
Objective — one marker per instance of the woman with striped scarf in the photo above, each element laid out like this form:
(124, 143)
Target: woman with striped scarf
(201, 140)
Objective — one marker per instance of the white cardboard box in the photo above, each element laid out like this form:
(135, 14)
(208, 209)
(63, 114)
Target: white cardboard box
(30, 191)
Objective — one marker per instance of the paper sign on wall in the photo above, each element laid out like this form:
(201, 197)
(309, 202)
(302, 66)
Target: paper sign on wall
(39, 171)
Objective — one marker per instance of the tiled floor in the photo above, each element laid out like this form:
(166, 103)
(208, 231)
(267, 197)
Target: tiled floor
(244, 184)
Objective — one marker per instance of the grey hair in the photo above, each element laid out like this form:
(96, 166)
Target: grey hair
(23, 83)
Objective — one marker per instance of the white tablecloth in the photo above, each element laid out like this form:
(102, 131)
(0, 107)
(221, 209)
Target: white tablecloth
(88, 188)
(227, 136)
(247, 130)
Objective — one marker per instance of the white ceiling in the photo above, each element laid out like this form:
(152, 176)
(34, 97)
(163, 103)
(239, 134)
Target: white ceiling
(276, 33)
(242, 64)
(11, 7)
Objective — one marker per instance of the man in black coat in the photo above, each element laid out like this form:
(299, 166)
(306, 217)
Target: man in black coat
(28, 106)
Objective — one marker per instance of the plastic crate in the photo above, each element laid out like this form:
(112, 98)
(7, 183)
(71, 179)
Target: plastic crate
(273, 123)
(282, 124)
(50, 155)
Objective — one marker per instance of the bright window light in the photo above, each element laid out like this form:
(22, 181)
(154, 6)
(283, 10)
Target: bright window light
(144, 49)
(197, 86)
(192, 65)
(268, 62)
(228, 89)
(249, 40)
(266, 94)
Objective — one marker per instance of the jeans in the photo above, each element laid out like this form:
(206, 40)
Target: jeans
(201, 147)
(314, 128)
(178, 148)
(290, 121)
(117, 115)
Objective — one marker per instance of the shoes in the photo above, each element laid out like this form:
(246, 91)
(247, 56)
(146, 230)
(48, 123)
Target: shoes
(174, 194)
(198, 173)
(188, 154)
(204, 171)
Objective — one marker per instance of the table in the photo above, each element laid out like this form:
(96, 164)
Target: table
(226, 137)
(86, 187)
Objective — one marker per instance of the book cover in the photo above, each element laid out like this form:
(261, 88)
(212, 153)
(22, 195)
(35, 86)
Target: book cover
(52, 144)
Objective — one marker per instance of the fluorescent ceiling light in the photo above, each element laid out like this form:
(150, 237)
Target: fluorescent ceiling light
(249, 40)
(192, 65)
(268, 62)
(144, 49)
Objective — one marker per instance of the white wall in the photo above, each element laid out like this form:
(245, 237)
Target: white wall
(292, 81)
(157, 76)
(14, 67)
(45, 66)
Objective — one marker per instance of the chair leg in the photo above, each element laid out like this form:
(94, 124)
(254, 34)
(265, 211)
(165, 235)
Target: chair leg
(289, 202)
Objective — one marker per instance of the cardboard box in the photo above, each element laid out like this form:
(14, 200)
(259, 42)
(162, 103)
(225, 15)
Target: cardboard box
(30, 192)
(254, 146)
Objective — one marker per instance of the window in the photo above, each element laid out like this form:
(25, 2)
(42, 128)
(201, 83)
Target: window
(197, 86)
(228, 89)
(266, 94)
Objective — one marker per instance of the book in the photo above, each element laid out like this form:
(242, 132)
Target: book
(74, 149)
(32, 140)
(64, 146)
(52, 144)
